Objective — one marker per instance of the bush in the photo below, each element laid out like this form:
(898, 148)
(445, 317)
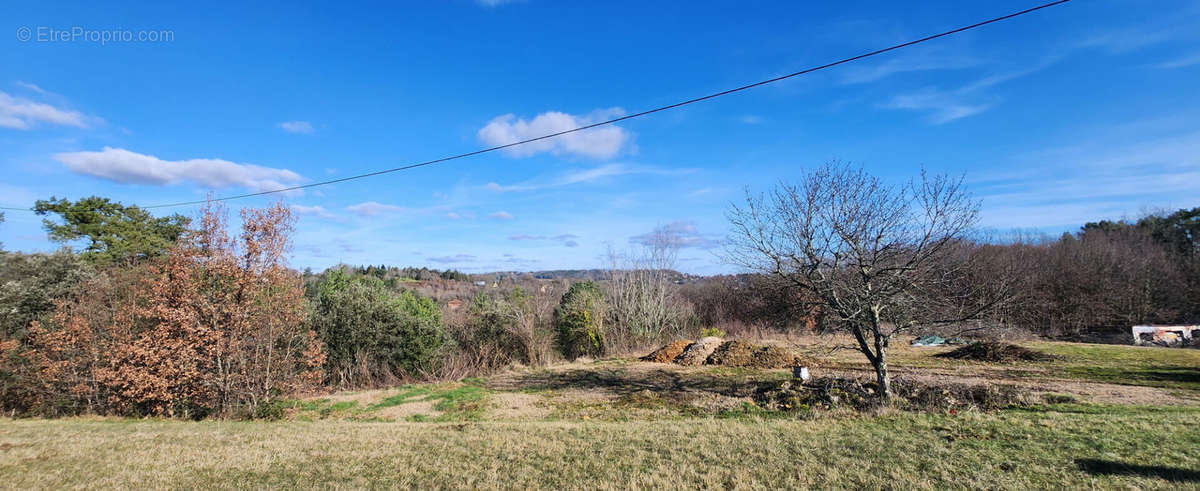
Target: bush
(214, 327)
(371, 334)
(500, 329)
(579, 321)
(30, 283)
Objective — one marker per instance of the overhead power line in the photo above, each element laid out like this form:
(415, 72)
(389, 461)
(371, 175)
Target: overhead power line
(622, 118)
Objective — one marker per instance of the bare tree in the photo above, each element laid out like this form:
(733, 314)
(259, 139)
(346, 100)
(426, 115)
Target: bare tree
(642, 298)
(876, 259)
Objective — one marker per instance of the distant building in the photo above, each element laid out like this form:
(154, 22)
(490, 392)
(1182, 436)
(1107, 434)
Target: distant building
(1164, 335)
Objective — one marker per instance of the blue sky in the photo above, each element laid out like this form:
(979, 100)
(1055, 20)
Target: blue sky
(1079, 112)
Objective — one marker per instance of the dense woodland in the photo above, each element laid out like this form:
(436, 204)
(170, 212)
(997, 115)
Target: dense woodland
(183, 317)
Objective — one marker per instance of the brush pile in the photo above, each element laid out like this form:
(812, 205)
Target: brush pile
(996, 352)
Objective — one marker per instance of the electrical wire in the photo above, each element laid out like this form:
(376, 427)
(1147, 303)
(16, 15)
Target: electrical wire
(618, 119)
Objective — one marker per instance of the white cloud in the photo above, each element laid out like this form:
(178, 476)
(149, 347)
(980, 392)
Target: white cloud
(750, 119)
(22, 114)
(124, 166)
(494, 3)
(373, 208)
(297, 127)
(501, 215)
(599, 143)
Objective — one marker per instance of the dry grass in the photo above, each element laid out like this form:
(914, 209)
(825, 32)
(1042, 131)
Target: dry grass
(1070, 447)
(619, 423)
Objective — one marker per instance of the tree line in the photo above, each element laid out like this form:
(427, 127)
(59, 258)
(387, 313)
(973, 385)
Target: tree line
(175, 316)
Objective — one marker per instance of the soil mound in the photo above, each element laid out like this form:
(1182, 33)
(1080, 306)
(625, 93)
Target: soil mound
(696, 353)
(733, 354)
(994, 351)
(775, 357)
(668, 353)
(743, 354)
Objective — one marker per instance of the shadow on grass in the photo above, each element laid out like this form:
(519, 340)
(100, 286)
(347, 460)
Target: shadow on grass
(662, 382)
(1161, 376)
(1114, 468)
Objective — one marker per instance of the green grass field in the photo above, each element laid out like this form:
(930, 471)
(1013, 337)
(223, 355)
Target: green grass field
(621, 424)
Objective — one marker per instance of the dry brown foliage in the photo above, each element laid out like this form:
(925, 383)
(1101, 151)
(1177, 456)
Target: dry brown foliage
(212, 328)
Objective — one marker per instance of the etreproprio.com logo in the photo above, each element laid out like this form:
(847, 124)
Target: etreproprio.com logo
(80, 34)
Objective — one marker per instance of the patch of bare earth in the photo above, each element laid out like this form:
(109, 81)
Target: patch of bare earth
(519, 406)
(364, 398)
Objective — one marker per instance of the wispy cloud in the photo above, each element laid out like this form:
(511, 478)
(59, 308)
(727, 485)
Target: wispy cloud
(301, 127)
(598, 143)
(568, 240)
(501, 215)
(582, 176)
(681, 233)
(317, 211)
(455, 259)
(944, 106)
(124, 166)
(31, 87)
(1095, 180)
(1186, 61)
(22, 114)
(750, 119)
(375, 208)
(919, 60)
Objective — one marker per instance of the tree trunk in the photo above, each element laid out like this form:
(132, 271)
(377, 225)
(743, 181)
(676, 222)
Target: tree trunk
(882, 376)
(881, 366)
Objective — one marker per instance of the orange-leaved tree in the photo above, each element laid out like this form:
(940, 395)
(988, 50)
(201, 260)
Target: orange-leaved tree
(213, 328)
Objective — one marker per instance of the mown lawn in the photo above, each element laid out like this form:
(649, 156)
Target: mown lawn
(1048, 447)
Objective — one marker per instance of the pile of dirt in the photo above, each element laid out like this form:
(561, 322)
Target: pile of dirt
(733, 354)
(995, 351)
(743, 354)
(715, 351)
(668, 353)
(696, 353)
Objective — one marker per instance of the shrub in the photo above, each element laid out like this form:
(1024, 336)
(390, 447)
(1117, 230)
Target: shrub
(30, 283)
(579, 321)
(371, 334)
(498, 330)
(215, 327)
(712, 332)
